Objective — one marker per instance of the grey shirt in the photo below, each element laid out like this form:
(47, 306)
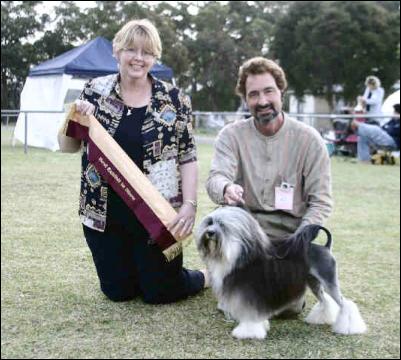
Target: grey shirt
(296, 155)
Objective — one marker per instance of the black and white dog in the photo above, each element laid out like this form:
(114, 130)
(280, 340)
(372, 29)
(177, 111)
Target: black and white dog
(254, 280)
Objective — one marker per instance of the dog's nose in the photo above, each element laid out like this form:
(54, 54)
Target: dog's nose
(210, 234)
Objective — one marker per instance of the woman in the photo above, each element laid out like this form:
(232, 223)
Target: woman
(372, 98)
(150, 120)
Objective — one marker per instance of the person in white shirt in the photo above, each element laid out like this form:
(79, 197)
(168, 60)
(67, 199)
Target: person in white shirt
(372, 98)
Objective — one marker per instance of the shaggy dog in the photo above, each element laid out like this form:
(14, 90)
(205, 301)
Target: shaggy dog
(254, 280)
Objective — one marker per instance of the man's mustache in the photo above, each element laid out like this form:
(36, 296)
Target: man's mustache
(264, 107)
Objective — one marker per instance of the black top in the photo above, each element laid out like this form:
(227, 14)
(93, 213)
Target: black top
(166, 134)
(128, 136)
(393, 129)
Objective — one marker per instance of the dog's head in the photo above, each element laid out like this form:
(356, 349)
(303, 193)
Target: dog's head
(228, 233)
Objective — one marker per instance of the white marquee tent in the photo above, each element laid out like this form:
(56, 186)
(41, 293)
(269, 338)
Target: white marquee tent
(387, 107)
(48, 93)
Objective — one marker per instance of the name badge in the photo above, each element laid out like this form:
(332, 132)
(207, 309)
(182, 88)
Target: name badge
(284, 196)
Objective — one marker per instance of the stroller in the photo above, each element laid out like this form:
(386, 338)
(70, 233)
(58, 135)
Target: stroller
(345, 140)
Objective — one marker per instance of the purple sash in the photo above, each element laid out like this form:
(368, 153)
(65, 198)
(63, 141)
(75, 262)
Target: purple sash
(127, 180)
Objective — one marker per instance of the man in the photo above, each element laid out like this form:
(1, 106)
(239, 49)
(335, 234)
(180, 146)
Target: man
(276, 166)
(393, 126)
(373, 136)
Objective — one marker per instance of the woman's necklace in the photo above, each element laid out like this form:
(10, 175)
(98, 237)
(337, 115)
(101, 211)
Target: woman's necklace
(129, 112)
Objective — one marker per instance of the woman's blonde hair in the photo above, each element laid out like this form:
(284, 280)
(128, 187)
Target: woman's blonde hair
(373, 80)
(256, 66)
(139, 30)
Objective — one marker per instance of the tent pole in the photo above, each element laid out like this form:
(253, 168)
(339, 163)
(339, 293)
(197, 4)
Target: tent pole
(26, 134)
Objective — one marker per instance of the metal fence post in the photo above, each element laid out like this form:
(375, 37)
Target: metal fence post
(26, 134)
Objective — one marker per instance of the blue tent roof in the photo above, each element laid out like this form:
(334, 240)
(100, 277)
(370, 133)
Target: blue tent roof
(92, 59)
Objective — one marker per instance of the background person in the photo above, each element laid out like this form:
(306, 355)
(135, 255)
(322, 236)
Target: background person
(373, 136)
(372, 98)
(393, 126)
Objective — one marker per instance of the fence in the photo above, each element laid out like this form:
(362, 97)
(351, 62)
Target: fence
(15, 113)
(212, 122)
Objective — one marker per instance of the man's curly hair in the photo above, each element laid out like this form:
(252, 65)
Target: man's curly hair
(260, 65)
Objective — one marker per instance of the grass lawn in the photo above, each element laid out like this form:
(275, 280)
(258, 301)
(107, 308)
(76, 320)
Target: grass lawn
(52, 306)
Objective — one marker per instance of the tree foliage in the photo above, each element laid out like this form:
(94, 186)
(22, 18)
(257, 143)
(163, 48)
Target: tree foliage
(17, 25)
(322, 46)
(328, 48)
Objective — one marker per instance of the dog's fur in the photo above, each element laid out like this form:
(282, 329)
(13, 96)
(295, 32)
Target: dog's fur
(254, 280)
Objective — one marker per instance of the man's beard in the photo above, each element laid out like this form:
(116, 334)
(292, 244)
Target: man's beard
(264, 119)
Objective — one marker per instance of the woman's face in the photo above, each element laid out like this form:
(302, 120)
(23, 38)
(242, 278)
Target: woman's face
(135, 62)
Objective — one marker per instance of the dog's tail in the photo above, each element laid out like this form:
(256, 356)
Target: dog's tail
(310, 232)
(298, 244)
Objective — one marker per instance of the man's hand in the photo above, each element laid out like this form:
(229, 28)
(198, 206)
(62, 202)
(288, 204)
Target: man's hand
(233, 195)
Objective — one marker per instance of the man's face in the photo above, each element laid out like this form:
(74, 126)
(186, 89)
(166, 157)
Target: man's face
(263, 97)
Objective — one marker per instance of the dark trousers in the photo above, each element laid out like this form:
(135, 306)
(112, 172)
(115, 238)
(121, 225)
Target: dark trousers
(129, 265)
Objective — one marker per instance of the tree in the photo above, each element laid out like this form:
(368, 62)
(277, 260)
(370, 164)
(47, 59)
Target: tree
(222, 37)
(325, 44)
(68, 18)
(320, 44)
(19, 21)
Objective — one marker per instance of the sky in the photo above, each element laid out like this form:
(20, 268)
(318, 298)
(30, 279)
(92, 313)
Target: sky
(48, 6)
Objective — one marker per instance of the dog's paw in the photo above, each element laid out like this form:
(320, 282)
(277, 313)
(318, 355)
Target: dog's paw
(324, 312)
(220, 306)
(349, 320)
(266, 324)
(250, 331)
(227, 316)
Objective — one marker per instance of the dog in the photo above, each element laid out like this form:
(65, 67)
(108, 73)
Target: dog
(254, 279)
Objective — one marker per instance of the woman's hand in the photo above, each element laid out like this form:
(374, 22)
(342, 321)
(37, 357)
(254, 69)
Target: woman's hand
(84, 107)
(181, 226)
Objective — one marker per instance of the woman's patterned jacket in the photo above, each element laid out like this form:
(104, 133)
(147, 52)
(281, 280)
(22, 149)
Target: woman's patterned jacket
(167, 143)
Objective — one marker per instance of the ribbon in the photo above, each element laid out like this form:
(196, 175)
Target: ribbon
(121, 173)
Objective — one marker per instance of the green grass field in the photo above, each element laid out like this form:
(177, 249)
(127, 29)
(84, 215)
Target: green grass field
(52, 306)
